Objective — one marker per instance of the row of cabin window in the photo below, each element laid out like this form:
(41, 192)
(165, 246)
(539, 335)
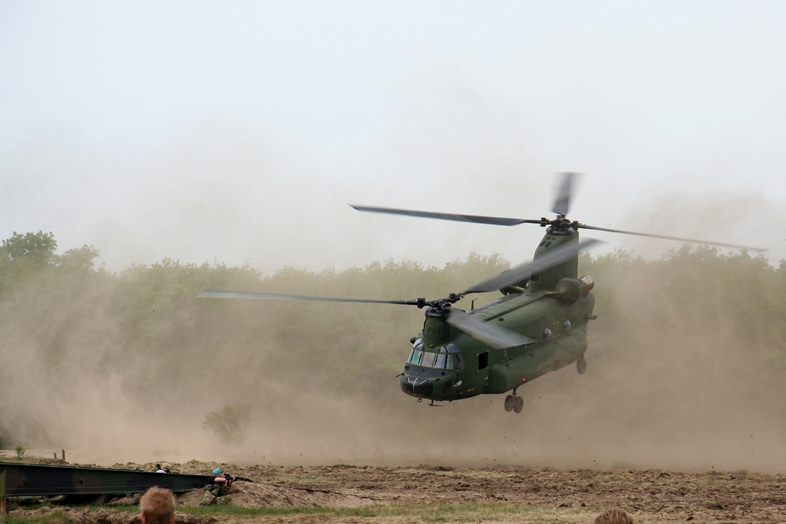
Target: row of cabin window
(434, 360)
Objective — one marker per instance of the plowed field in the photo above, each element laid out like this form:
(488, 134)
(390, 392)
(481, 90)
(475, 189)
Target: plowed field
(381, 495)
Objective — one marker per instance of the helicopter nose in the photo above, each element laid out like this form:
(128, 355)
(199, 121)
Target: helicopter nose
(417, 387)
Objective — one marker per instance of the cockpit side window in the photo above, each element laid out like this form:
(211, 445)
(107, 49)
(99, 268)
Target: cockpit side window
(450, 348)
(415, 356)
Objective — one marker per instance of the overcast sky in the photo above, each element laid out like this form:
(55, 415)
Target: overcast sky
(238, 131)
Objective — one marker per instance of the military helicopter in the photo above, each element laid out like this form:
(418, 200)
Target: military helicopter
(538, 326)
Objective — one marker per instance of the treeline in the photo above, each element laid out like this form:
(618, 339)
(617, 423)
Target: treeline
(65, 319)
(76, 338)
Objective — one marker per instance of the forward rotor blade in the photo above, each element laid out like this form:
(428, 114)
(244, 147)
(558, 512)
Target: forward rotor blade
(271, 296)
(666, 237)
(490, 334)
(477, 219)
(564, 191)
(518, 274)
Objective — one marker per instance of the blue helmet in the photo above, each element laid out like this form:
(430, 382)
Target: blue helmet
(217, 471)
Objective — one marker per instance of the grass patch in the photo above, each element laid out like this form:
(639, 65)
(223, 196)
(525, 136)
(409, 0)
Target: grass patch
(428, 512)
(48, 518)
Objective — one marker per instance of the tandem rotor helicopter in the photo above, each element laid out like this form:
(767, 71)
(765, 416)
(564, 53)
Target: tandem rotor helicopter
(538, 326)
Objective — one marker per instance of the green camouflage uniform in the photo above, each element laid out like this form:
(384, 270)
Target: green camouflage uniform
(213, 491)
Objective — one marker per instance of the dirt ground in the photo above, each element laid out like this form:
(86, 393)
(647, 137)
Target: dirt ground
(559, 496)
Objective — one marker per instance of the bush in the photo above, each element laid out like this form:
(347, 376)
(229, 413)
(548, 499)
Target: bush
(229, 422)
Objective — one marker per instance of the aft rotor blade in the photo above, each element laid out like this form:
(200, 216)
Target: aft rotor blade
(272, 296)
(477, 219)
(564, 192)
(666, 237)
(490, 334)
(518, 274)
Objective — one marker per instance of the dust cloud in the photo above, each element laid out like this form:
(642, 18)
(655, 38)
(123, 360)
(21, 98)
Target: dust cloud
(684, 372)
(125, 366)
(717, 215)
(225, 191)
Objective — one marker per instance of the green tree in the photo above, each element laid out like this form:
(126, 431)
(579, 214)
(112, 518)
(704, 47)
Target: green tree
(38, 249)
(25, 256)
(78, 260)
(229, 422)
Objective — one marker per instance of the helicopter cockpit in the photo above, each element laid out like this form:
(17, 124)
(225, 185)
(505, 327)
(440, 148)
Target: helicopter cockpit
(425, 369)
(447, 358)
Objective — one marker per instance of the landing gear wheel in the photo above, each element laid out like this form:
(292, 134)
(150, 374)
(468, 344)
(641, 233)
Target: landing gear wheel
(519, 405)
(510, 403)
(581, 365)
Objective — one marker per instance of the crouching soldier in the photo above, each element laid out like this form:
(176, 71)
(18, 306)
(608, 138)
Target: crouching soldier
(218, 487)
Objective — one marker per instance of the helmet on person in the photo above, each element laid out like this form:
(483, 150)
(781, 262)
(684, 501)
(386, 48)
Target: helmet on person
(166, 466)
(217, 471)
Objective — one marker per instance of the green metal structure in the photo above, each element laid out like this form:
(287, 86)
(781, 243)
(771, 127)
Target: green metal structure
(32, 480)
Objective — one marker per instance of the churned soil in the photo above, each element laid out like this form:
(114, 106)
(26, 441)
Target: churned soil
(567, 496)
(665, 496)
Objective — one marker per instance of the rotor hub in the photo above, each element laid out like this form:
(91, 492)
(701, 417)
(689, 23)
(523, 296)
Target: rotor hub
(560, 225)
(441, 306)
(438, 312)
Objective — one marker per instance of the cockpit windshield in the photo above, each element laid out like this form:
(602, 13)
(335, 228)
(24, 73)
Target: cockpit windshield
(447, 358)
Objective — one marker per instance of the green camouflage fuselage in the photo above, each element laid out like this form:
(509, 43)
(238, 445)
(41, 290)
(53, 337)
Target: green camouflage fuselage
(446, 364)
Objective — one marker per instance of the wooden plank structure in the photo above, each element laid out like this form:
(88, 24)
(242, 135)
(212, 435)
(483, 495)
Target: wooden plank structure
(2, 494)
(32, 480)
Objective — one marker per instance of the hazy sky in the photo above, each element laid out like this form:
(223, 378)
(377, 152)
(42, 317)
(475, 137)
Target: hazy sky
(239, 131)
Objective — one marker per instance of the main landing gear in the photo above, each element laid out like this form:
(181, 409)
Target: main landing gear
(514, 403)
(581, 365)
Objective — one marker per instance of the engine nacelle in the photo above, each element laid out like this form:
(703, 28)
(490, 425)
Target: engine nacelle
(569, 290)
